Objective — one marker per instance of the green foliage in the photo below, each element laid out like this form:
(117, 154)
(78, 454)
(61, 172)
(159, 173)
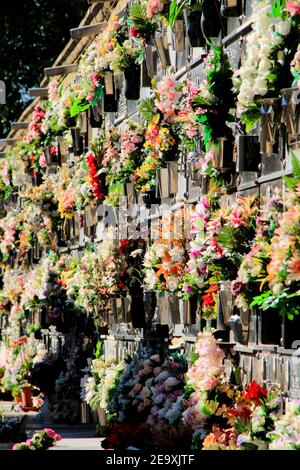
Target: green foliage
(219, 98)
(250, 118)
(99, 349)
(80, 105)
(147, 109)
(292, 181)
(137, 17)
(193, 355)
(175, 11)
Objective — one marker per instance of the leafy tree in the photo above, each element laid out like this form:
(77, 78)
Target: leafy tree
(33, 33)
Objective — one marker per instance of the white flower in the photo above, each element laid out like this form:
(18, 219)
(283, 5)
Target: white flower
(283, 28)
(261, 86)
(177, 255)
(137, 252)
(172, 283)
(160, 250)
(151, 279)
(170, 383)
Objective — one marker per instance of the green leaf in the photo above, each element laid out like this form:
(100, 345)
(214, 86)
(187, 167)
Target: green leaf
(295, 165)
(78, 107)
(99, 347)
(174, 12)
(98, 93)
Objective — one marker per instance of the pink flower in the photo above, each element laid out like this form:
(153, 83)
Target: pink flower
(235, 218)
(133, 32)
(191, 133)
(293, 7)
(188, 289)
(195, 252)
(50, 432)
(90, 97)
(128, 147)
(42, 161)
(136, 139)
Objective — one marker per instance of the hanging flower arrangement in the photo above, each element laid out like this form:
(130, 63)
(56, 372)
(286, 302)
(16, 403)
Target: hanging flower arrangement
(270, 48)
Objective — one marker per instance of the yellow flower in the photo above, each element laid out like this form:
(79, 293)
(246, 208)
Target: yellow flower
(164, 131)
(155, 119)
(114, 42)
(171, 140)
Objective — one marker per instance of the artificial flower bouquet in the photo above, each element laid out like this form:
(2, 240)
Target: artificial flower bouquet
(102, 275)
(252, 273)
(142, 28)
(6, 186)
(283, 269)
(286, 432)
(148, 391)
(105, 373)
(41, 440)
(270, 48)
(161, 135)
(222, 237)
(215, 100)
(208, 393)
(125, 56)
(164, 265)
(122, 160)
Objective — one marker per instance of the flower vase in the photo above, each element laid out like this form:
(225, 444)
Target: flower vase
(101, 416)
(211, 18)
(193, 27)
(95, 115)
(225, 302)
(137, 310)
(178, 38)
(150, 302)
(62, 149)
(270, 121)
(149, 198)
(26, 394)
(110, 104)
(268, 326)
(291, 111)
(84, 413)
(290, 338)
(237, 331)
(248, 153)
(77, 140)
(151, 60)
(52, 155)
(132, 82)
(232, 8)
(145, 77)
(18, 399)
(188, 311)
(224, 154)
(174, 313)
(130, 194)
(162, 47)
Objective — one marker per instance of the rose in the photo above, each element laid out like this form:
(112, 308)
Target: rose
(293, 7)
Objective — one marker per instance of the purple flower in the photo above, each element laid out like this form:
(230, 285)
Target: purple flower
(188, 289)
(237, 287)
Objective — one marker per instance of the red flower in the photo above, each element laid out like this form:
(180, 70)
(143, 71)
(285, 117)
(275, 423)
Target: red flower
(123, 244)
(255, 392)
(243, 412)
(208, 300)
(134, 33)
